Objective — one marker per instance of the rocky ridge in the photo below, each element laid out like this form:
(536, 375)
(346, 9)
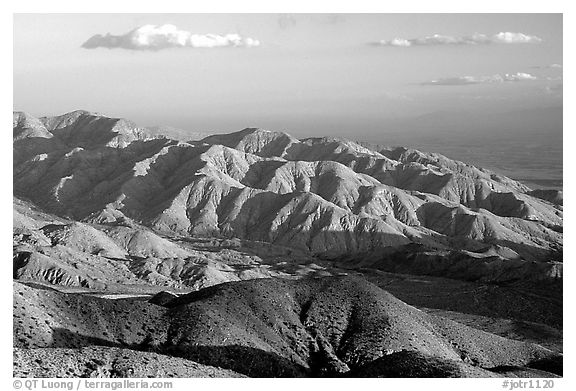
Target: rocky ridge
(323, 196)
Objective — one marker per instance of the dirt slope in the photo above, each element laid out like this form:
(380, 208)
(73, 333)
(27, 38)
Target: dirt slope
(265, 327)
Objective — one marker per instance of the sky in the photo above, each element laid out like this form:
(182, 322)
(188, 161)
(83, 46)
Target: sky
(361, 76)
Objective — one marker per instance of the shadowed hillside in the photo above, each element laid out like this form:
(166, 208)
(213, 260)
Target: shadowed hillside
(268, 327)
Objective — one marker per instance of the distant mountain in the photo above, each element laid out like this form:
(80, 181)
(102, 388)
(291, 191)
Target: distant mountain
(176, 133)
(523, 144)
(532, 123)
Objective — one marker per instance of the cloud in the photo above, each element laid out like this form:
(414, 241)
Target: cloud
(514, 38)
(550, 66)
(466, 80)
(454, 81)
(519, 76)
(152, 37)
(476, 39)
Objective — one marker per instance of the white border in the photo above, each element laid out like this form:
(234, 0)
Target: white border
(340, 6)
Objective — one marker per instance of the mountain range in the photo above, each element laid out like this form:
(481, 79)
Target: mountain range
(325, 196)
(105, 208)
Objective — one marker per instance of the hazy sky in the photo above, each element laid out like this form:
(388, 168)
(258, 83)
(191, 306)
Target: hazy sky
(308, 74)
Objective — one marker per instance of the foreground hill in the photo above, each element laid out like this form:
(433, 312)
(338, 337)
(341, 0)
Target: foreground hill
(323, 197)
(105, 361)
(267, 327)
